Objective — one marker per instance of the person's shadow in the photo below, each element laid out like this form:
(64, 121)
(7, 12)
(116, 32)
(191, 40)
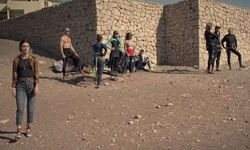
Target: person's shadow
(7, 138)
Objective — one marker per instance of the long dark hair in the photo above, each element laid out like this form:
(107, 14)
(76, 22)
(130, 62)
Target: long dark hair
(128, 36)
(21, 43)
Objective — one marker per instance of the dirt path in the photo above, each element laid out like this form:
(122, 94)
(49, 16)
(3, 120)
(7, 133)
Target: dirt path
(176, 108)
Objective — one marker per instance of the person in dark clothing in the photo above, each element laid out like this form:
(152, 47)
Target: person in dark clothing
(115, 52)
(99, 58)
(218, 48)
(210, 45)
(142, 61)
(231, 46)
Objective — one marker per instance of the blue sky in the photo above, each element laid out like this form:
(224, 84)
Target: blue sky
(241, 3)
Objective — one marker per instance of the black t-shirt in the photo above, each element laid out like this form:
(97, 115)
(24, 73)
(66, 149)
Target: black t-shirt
(230, 39)
(24, 69)
(217, 40)
(116, 52)
(210, 37)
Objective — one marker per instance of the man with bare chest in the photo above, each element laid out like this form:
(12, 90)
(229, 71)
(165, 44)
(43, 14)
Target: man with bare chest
(68, 51)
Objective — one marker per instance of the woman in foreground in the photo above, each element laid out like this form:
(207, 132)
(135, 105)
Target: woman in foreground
(25, 84)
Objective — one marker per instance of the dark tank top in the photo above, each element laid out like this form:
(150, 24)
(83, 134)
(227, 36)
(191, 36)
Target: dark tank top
(116, 52)
(24, 69)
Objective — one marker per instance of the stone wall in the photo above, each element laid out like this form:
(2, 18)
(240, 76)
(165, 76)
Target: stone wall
(171, 34)
(143, 19)
(181, 30)
(226, 16)
(44, 28)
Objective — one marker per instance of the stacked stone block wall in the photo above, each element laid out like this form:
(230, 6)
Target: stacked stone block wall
(171, 34)
(143, 19)
(225, 16)
(181, 31)
(44, 28)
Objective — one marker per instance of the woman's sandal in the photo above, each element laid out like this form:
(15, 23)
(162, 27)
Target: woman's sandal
(19, 134)
(28, 132)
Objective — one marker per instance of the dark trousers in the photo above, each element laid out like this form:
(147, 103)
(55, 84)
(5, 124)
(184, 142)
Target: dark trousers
(212, 52)
(25, 89)
(141, 65)
(100, 66)
(229, 50)
(114, 62)
(218, 59)
(70, 54)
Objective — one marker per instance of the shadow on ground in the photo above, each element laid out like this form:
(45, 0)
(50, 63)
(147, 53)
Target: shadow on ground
(7, 138)
(178, 71)
(75, 79)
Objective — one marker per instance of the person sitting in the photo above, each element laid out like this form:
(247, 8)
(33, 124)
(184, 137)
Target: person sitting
(142, 61)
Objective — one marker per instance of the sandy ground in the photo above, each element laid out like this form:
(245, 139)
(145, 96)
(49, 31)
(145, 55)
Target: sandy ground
(175, 108)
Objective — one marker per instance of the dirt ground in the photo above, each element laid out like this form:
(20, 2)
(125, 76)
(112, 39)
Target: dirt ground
(175, 108)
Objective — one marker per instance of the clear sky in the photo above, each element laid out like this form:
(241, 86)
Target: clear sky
(241, 3)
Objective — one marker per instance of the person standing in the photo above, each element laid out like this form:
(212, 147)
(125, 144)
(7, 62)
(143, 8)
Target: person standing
(99, 58)
(231, 46)
(218, 48)
(210, 45)
(123, 57)
(25, 83)
(68, 51)
(129, 48)
(115, 52)
(122, 53)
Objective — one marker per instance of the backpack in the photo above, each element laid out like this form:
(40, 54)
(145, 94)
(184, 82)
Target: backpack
(58, 65)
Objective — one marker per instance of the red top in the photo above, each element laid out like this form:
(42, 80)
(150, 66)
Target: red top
(130, 51)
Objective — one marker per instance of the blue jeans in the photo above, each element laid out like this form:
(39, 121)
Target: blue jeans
(23, 90)
(130, 63)
(141, 65)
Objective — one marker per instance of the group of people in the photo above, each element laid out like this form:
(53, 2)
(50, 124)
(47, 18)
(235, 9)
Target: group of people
(25, 80)
(118, 61)
(25, 74)
(214, 47)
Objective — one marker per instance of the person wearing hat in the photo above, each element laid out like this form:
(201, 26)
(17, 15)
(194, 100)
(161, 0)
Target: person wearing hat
(218, 48)
(115, 54)
(231, 46)
(210, 45)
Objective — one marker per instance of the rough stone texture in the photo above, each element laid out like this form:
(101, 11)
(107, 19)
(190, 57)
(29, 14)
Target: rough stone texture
(181, 30)
(45, 27)
(171, 34)
(226, 16)
(143, 19)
